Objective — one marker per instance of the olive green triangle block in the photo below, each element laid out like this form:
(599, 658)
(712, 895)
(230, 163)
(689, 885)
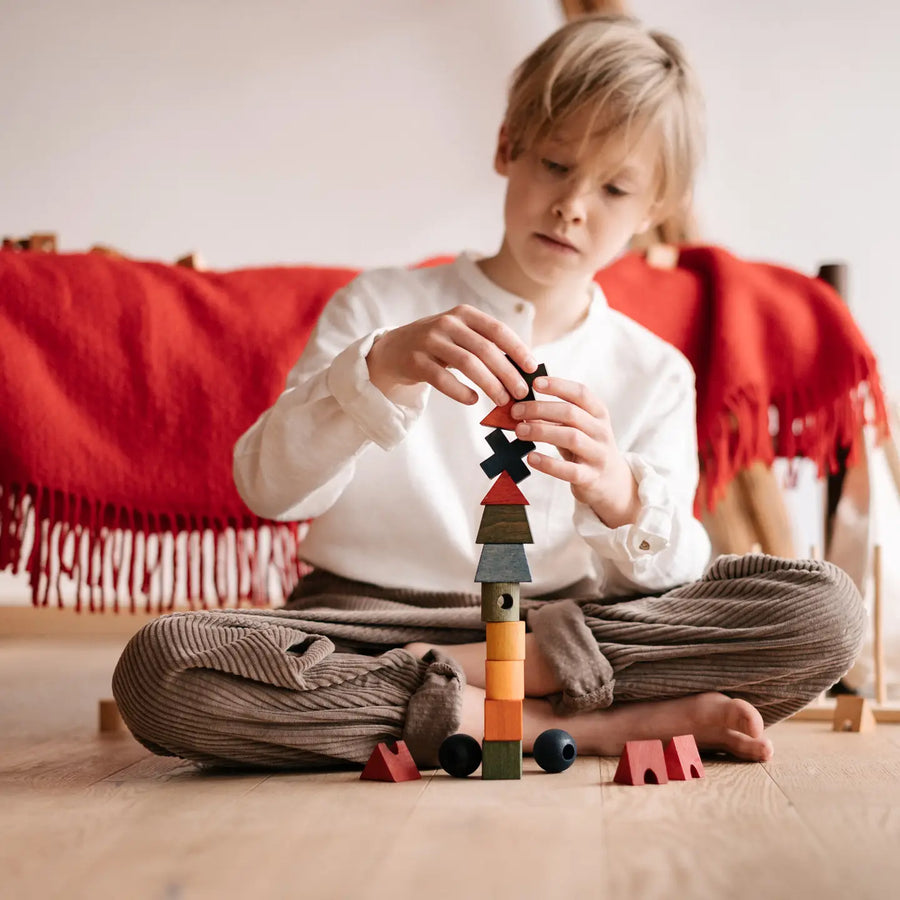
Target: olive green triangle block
(501, 760)
(504, 524)
(503, 563)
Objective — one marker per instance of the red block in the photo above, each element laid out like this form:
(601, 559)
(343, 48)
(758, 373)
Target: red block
(504, 491)
(643, 762)
(683, 758)
(499, 417)
(390, 762)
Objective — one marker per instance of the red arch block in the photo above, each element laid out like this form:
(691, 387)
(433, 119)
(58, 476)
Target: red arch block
(390, 762)
(683, 758)
(643, 762)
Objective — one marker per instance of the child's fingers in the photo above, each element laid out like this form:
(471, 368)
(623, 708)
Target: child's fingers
(565, 439)
(507, 342)
(565, 414)
(571, 392)
(565, 470)
(441, 380)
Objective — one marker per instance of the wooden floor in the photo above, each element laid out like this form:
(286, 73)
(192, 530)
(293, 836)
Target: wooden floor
(84, 815)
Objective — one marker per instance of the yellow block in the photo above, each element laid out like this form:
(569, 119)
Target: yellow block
(505, 640)
(504, 679)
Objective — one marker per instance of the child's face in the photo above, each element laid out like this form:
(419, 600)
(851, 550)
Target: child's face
(573, 205)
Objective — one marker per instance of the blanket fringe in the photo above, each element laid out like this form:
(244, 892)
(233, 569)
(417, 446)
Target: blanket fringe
(759, 428)
(163, 563)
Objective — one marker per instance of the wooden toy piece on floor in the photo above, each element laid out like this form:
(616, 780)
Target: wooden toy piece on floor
(109, 718)
(503, 720)
(459, 755)
(390, 762)
(507, 456)
(642, 762)
(554, 750)
(505, 640)
(683, 758)
(500, 601)
(501, 760)
(504, 491)
(504, 524)
(853, 714)
(503, 563)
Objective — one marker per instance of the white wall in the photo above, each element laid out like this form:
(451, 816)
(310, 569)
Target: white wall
(361, 133)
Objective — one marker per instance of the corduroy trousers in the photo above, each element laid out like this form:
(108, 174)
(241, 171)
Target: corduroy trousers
(321, 681)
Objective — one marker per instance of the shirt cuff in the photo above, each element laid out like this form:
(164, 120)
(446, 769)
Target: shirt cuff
(382, 420)
(651, 532)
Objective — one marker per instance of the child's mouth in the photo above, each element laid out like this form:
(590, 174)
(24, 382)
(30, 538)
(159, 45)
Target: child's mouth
(554, 244)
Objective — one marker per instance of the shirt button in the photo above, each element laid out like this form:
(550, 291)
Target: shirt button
(645, 545)
(520, 307)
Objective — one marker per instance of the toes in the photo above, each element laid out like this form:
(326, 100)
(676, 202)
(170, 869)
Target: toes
(741, 717)
(745, 747)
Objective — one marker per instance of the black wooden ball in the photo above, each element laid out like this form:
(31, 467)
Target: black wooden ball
(460, 755)
(554, 750)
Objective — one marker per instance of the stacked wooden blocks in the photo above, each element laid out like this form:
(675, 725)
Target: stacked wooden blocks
(503, 532)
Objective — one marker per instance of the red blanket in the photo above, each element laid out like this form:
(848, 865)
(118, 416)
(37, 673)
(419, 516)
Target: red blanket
(124, 385)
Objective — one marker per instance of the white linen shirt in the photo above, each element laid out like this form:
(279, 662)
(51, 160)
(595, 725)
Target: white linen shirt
(394, 487)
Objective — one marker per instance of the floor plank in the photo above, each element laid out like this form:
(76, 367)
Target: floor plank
(822, 820)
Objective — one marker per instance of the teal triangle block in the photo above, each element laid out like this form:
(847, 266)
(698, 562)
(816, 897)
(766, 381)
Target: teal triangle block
(502, 563)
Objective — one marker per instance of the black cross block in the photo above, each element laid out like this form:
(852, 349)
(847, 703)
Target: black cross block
(507, 456)
(529, 377)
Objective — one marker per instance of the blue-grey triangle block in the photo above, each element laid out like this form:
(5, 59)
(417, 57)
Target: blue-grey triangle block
(502, 562)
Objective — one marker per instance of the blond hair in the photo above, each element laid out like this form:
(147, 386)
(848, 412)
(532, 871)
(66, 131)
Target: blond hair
(624, 77)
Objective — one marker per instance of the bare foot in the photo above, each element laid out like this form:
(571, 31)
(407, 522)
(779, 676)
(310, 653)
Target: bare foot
(717, 722)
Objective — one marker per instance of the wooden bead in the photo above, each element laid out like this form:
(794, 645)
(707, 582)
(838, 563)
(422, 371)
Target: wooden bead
(501, 760)
(554, 750)
(460, 755)
(503, 720)
(500, 601)
(504, 680)
(505, 640)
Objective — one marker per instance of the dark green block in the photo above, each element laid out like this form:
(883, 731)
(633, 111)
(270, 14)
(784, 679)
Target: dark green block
(501, 760)
(504, 524)
(500, 602)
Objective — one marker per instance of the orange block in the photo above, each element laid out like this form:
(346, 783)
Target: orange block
(504, 679)
(503, 720)
(505, 640)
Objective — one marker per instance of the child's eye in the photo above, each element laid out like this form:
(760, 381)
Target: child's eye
(614, 191)
(554, 167)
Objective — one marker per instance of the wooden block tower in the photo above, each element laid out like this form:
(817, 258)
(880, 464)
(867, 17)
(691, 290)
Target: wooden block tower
(503, 532)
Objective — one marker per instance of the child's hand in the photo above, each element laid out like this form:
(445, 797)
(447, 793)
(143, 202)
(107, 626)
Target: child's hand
(463, 338)
(579, 427)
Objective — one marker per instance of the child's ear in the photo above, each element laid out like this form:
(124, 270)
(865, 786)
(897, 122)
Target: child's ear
(651, 219)
(501, 157)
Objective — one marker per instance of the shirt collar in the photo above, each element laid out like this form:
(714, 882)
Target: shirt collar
(509, 305)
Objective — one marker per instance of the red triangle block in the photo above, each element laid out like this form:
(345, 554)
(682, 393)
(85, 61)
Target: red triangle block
(683, 758)
(390, 762)
(504, 491)
(643, 762)
(499, 417)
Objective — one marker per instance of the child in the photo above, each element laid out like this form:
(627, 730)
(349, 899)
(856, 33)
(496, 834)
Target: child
(377, 440)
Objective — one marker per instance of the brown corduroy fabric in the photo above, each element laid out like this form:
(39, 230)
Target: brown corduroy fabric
(323, 680)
